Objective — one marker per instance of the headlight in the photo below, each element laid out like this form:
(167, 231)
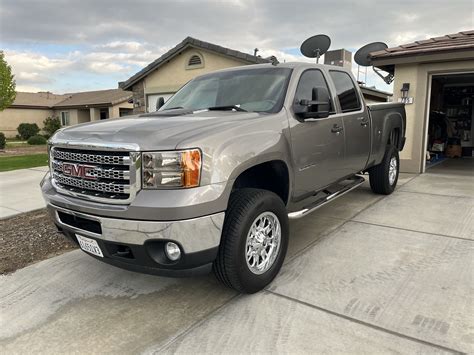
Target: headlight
(180, 169)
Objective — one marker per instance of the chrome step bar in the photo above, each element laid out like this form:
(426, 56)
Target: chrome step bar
(355, 181)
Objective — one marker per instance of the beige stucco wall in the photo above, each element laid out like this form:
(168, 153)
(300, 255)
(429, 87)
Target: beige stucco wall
(419, 77)
(11, 118)
(83, 116)
(174, 74)
(114, 111)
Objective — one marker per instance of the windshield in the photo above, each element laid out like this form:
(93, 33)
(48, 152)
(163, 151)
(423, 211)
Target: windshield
(257, 90)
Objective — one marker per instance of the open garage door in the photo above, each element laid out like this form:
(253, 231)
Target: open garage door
(152, 99)
(450, 133)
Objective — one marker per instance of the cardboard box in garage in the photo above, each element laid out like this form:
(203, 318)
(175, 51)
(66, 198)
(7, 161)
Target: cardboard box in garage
(453, 151)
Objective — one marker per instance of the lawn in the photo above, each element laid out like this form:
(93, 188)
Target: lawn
(23, 161)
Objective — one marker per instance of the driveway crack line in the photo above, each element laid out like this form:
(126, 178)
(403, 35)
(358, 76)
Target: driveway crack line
(370, 325)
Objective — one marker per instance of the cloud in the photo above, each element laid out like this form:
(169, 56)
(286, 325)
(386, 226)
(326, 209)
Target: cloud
(115, 38)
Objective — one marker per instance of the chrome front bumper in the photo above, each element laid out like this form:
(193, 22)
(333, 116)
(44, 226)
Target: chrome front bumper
(193, 235)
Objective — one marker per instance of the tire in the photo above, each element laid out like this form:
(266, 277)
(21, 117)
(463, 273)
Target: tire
(383, 179)
(246, 207)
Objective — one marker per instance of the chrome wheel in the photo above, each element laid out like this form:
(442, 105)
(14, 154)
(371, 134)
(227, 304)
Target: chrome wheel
(392, 172)
(263, 243)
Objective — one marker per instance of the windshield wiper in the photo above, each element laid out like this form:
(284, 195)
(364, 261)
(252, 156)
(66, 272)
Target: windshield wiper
(173, 108)
(225, 108)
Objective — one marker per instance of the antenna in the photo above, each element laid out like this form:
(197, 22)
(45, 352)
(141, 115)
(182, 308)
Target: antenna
(363, 58)
(315, 46)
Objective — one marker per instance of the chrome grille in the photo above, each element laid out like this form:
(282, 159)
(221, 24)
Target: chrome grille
(82, 184)
(91, 158)
(111, 176)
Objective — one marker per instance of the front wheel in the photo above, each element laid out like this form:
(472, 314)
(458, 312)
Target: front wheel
(254, 240)
(384, 177)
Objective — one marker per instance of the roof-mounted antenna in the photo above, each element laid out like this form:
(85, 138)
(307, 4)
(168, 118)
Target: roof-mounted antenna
(363, 58)
(315, 46)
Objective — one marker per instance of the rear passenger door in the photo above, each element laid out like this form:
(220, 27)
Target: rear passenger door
(317, 144)
(356, 122)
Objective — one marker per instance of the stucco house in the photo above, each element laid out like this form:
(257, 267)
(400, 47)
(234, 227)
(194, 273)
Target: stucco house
(435, 78)
(190, 58)
(70, 108)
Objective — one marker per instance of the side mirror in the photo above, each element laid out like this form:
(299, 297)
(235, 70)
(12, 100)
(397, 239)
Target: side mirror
(318, 107)
(160, 102)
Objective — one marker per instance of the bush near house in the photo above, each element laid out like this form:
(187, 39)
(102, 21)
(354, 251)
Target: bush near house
(37, 140)
(3, 141)
(27, 130)
(51, 125)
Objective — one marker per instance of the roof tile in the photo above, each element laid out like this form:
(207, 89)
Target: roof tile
(457, 41)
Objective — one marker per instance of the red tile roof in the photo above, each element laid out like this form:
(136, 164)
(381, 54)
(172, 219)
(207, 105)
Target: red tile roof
(458, 41)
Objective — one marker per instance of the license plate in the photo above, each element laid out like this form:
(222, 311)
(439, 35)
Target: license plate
(89, 245)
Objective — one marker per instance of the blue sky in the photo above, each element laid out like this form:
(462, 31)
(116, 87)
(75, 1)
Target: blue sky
(69, 46)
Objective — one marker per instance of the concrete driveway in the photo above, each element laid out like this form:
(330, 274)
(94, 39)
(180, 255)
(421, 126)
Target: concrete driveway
(365, 274)
(19, 191)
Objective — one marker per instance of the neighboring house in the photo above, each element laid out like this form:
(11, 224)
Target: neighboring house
(70, 108)
(373, 96)
(93, 106)
(172, 70)
(435, 78)
(28, 107)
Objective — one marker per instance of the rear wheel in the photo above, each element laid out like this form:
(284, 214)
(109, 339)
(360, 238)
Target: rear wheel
(384, 177)
(254, 240)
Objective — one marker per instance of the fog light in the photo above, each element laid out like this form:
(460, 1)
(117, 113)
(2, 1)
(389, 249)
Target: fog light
(172, 251)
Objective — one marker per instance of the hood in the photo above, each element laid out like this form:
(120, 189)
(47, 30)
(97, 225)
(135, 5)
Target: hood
(151, 132)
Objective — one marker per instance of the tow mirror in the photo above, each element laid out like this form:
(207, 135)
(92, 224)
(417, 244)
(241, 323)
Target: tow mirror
(160, 102)
(318, 107)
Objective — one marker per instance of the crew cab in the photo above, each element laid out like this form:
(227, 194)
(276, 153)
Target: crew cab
(210, 180)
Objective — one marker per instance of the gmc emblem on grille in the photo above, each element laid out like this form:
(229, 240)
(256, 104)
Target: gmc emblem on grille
(79, 170)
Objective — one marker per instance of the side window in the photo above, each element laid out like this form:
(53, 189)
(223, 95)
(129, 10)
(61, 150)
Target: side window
(346, 91)
(311, 79)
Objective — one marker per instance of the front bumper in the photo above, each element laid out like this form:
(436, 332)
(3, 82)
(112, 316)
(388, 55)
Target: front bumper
(139, 245)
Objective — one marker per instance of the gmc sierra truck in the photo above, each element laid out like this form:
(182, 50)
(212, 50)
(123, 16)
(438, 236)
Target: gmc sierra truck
(211, 179)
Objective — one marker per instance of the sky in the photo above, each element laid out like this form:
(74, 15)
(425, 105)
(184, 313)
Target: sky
(69, 46)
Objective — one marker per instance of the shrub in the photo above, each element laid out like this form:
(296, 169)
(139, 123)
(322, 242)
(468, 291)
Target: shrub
(51, 125)
(37, 140)
(27, 130)
(3, 141)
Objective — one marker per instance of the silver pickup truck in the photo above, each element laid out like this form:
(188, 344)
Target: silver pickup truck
(211, 179)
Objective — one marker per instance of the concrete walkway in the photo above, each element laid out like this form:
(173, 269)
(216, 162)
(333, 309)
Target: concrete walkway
(20, 191)
(364, 274)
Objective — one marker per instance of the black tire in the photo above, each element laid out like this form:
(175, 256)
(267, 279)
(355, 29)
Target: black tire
(379, 174)
(230, 266)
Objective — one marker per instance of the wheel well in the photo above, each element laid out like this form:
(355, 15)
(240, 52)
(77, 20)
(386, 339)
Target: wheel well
(272, 176)
(394, 137)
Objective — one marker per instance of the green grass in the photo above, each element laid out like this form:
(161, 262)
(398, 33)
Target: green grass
(23, 161)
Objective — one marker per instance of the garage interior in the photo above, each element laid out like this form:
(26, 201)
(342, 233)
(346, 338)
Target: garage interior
(451, 116)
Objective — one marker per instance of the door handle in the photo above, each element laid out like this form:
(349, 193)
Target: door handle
(364, 121)
(336, 129)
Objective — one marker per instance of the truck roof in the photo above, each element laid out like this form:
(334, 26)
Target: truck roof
(291, 65)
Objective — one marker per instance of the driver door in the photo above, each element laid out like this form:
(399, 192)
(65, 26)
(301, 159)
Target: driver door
(317, 144)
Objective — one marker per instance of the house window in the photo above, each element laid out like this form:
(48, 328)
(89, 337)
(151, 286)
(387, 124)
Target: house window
(195, 61)
(65, 118)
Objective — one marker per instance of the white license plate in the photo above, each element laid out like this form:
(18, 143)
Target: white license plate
(89, 245)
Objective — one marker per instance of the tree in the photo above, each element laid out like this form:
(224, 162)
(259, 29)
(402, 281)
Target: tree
(7, 84)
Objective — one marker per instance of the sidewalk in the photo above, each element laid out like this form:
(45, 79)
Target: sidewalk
(20, 191)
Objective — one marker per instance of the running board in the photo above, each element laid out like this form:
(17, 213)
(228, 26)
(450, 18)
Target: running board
(355, 181)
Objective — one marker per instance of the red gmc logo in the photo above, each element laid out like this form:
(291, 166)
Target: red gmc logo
(79, 170)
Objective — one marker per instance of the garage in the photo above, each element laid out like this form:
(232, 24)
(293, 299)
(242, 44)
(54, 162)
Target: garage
(450, 121)
(435, 79)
